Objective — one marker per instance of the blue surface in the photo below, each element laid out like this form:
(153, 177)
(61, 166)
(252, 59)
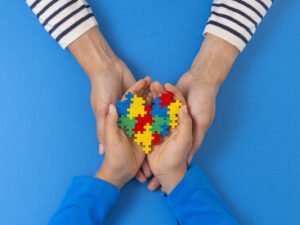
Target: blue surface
(47, 129)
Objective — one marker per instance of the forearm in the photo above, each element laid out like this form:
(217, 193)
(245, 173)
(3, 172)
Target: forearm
(87, 201)
(214, 60)
(195, 201)
(93, 52)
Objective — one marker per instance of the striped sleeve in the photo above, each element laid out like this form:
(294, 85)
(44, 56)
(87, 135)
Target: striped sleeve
(64, 20)
(236, 20)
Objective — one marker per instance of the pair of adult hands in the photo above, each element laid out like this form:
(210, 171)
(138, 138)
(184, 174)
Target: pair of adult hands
(111, 84)
(110, 79)
(167, 160)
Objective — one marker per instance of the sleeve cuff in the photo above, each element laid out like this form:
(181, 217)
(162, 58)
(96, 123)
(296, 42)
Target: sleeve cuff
(99, 188)
(225, 35)
(77, 32)
(187, 185)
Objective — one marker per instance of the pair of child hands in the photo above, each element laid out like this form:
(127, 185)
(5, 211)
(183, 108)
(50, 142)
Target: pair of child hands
(167, 160)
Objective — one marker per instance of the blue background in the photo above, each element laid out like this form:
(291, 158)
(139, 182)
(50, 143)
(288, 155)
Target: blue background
(47, 129)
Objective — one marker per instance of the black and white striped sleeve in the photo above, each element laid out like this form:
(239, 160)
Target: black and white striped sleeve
(236, 20)
(64, 20)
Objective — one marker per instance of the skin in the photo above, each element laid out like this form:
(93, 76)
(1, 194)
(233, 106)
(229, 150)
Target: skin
(123, 158)
(110, 78)
(200, 85)
(168, 160)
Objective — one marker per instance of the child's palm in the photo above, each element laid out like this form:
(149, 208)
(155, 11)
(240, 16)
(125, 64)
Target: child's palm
(170, 156)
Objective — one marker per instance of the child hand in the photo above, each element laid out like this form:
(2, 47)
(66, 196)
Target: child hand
(123, 158)
(168, 160)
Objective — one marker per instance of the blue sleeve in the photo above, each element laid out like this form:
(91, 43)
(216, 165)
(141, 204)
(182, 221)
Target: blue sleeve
(87, 202)
(195, 201)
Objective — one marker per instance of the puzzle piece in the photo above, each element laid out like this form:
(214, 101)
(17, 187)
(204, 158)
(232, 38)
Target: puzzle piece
(144, 139)
(137, 107)
(127, 124)
(158, 122)
(166, 99)
(174, 107)
(158, 110)
(122, 106)
(165, 130)
(129, 96)
(142, 121)
(173, 120)
(156, 138)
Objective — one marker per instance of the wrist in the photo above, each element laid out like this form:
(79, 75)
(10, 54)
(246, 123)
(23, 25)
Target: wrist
(214, 60)
(170, 181)
(110, 177)
(93, 53)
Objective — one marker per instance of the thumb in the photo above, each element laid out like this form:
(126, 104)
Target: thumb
(199, 134)
(111, 121)
(100, 115)
(184, 123)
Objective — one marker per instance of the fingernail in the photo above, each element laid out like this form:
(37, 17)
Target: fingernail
(190, 159)
(184, 109)
(141, 179)
(101, 149)
(111, 108)
(151, 186)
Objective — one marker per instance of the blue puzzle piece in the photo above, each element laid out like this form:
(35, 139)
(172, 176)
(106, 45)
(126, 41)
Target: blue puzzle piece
(123, 106)
(158, 110)
(129, 96)
(165, 130)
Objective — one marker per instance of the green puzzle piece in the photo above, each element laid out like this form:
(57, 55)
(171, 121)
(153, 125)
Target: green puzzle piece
(127, 124)
(159, 121)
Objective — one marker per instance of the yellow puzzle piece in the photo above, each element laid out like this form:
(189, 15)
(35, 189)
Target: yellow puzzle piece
(173, 111)
(144, 138)
(137, 107)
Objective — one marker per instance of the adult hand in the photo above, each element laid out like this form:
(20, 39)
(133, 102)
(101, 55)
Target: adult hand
(109, 76)
(201, 97)
(168, 160)
(108, 86)
(200, 85)
(123, 158)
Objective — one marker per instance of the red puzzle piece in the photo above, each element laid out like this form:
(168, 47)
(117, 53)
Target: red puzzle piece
(156, 138)
(143, 120)
(166, 99)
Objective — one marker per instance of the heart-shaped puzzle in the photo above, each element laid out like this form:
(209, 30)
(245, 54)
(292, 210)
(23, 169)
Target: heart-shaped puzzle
(147, 124)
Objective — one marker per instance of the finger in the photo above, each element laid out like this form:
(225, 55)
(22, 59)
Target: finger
(159, 89)
(111, 122)
(148, 80)
(149, 98)
(137, 88)
(101, 149)
(140, 176)
(146, 169)
(146, 90)
(185, 126)
(198, 134)
(154, 184)
(100, 123)
(152, 90)
(177, 94)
